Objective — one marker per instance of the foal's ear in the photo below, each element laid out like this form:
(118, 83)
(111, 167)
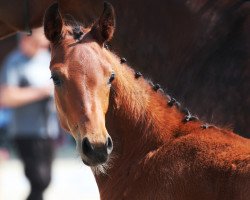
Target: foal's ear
(104, 28)
(53, 23)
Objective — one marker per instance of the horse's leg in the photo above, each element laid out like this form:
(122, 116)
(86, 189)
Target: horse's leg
(5, 30)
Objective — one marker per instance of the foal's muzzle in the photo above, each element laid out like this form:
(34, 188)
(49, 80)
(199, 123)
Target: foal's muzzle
(96, 154)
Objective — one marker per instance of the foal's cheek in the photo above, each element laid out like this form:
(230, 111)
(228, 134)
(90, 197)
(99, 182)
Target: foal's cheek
(62, 115)
(105, 101)
(62, 119)
(64, 125)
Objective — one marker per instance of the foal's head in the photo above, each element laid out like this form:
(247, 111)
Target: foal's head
(82, 75)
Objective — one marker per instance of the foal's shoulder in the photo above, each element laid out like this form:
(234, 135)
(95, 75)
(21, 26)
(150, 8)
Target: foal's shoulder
(215, 147)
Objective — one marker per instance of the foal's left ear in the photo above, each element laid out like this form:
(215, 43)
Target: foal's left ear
(104, 28)
(53, 23)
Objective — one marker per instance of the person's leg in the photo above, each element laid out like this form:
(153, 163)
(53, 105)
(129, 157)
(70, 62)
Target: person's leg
(37, 155)
(4, 153)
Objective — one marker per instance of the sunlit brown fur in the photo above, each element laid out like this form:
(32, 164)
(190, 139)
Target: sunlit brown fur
(163, 158)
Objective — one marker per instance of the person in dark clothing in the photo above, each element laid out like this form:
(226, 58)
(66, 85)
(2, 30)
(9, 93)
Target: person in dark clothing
(26, 88)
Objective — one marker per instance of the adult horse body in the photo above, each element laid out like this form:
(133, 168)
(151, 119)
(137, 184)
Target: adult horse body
(159, 151)
(21, 15)
(24, 15)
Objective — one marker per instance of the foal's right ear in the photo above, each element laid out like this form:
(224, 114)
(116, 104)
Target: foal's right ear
(104, 28)
(53, 23)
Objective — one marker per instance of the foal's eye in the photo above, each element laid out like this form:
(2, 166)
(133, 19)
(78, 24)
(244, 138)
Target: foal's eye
(56, 79)
(111, 78)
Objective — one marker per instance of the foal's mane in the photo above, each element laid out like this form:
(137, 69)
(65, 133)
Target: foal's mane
(140, 100)
(144, 102)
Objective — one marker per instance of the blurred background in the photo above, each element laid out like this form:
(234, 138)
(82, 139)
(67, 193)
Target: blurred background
(37, 158)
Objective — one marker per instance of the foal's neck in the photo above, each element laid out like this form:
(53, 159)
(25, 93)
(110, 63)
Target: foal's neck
(139, 117)
(139, 120)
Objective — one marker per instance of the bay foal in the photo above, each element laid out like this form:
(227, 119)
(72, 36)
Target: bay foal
(138, 141)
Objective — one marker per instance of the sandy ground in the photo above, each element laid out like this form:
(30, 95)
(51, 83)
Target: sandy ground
(71, 180)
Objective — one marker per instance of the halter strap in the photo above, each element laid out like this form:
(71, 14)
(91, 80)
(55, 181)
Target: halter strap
(27, 28)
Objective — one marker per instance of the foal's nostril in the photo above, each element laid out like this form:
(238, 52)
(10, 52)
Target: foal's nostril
(96, 153)
(86, 146)
(109, 145)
